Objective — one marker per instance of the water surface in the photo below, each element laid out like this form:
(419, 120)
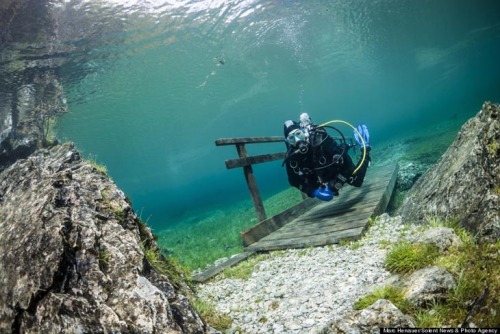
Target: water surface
(150, 85)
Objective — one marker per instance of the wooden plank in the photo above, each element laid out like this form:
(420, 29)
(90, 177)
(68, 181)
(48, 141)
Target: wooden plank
(216, 269)
(258, 159)
(342, 209)
(388, 192)
(319, 224)
(256, 140)
(272, 224)
(309, 232)
(248, 140)
(321, 240)
(252, 185)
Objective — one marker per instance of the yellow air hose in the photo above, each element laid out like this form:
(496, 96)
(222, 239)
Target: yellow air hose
(359, 134)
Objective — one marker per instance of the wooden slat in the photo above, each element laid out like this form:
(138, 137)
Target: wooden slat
(242, 162)
(272, 224)
(216, 269)
(309, 232)
(319, 224)
(320, 240)
(248, 140)
(255, 140)
(252, 184)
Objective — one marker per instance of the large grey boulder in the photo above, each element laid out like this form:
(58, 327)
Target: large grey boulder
(71, 259)
(428, 285)
(464, 184)
(441, 237)
(380, 314)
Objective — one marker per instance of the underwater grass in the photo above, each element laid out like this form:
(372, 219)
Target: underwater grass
(243, 270)
(167, 265)
(196, 244)
(389, 292)
(208, 313)
(92, 160)
(405, 257)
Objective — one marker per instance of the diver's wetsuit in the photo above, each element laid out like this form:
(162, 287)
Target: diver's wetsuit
(324, 161)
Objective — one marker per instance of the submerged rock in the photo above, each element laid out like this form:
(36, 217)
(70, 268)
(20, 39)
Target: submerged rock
(428, 285)
(441, 237)
(71, 259)
(464, 185)
(380, 314)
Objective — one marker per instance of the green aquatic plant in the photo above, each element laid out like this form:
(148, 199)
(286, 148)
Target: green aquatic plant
(99, 167)
(405, 257)
(493, 148)
(389, 292)
(104, 257)
(274, 305)
(244, 269)
(497, 190)
(428, 149)
(201, 240)
(209, 314)
(383, 244)
(372, 220)
(396, 200)
(304, 251)
(166, 265)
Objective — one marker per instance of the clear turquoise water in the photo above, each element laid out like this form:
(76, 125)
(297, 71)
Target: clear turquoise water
(151, 92)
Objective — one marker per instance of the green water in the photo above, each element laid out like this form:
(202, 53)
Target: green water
(150, 95)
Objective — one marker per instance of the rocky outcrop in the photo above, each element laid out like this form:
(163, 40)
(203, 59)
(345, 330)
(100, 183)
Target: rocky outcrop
(428, 285)
(464, 185)
(381, 314)
(72, 255)
(441, 237)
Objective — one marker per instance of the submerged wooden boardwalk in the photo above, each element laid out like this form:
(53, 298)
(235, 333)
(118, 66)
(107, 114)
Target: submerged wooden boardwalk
(345, 217)
(316, 223)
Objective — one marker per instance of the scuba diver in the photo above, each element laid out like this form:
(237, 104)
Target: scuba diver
(319, 165)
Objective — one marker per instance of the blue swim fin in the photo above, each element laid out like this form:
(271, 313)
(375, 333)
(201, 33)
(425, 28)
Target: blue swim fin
(363, 130)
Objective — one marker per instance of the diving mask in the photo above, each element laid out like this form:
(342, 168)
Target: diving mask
(296, 136)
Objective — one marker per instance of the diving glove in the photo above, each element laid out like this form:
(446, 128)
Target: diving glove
(363, 131)
(323, 193)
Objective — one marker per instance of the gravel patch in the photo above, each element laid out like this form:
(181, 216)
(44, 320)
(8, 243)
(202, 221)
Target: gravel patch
(300, 290)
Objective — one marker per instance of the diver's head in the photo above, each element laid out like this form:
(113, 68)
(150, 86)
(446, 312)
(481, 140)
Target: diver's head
(293, 133)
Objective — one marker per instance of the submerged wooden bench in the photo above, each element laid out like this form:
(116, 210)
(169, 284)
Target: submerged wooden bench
(315, 223)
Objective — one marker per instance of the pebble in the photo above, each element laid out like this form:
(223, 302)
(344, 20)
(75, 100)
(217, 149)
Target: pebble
(307, 288)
